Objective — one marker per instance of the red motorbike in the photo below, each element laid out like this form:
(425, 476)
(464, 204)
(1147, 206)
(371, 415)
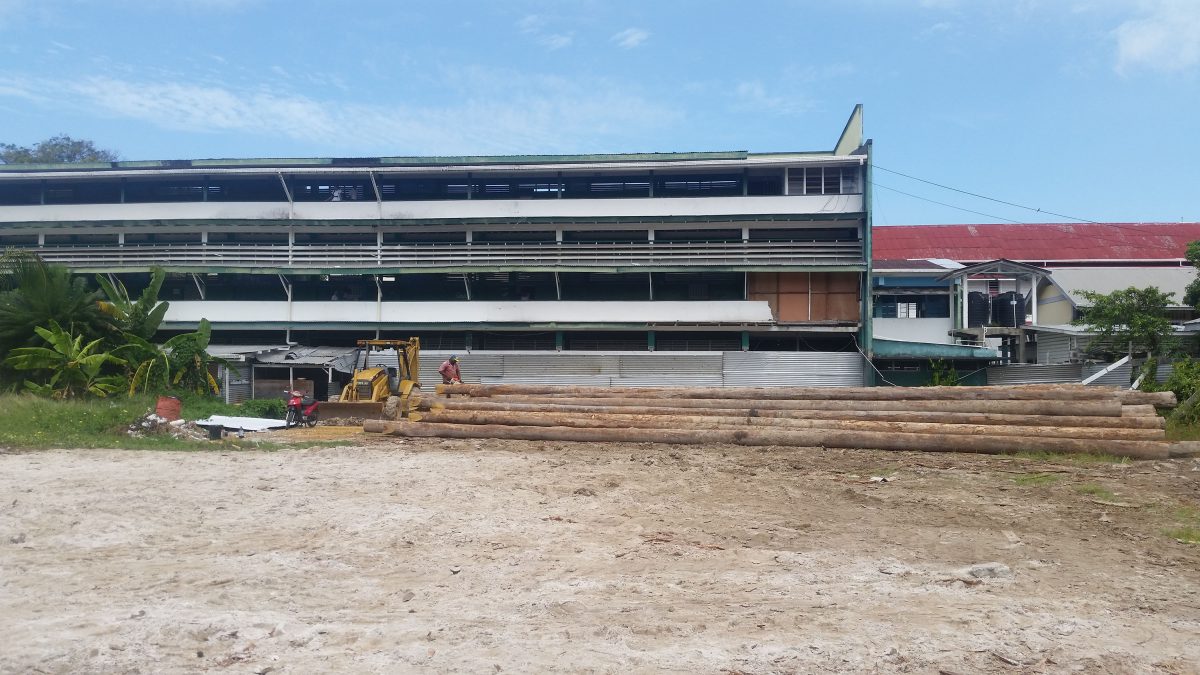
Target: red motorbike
(301, 410)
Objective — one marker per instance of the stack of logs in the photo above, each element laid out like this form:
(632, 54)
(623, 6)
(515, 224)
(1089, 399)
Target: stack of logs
(992, 420)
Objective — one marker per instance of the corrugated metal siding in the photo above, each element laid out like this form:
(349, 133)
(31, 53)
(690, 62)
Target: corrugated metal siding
(1034, 373)
(794, 369)
(1054, 348)
(235, 384)
(646, 369)
(1117, 378)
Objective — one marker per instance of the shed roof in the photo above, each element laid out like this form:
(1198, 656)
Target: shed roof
(1036, 242)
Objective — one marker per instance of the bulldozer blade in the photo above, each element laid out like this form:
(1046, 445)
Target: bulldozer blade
(366, 410)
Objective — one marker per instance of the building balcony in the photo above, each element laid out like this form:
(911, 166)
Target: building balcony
(393, 258)
(439, 210)
(250, 313)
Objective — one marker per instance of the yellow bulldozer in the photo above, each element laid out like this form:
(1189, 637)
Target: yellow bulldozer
(372, 392)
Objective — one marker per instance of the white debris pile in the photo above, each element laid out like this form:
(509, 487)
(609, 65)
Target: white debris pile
(152, 424)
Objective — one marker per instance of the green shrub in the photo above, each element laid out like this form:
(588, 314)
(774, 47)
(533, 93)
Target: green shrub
(270, 408)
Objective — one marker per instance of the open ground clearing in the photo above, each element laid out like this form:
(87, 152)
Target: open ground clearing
(509, 556)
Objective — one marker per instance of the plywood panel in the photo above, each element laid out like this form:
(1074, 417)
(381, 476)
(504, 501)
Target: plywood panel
(842, 307)
(793, 282)
(793, 307)
(763, 282)
(843, 282)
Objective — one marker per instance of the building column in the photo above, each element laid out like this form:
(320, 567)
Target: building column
(745, 340)
(558, 340)
(650, 340)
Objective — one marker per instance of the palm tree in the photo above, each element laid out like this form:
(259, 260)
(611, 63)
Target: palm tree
(34, 293)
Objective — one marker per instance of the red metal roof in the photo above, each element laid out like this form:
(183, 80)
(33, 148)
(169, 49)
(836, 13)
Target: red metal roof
(1035, 243)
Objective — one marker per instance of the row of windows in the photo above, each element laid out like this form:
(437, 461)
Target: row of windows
(912, 307)
(805, 181)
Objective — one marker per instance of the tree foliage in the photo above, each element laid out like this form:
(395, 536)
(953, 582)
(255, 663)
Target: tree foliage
(1130, 319)
(71, 368)
(34, 294)
(141, 316)
(181, 362)
(60, 149)
(1191, 295)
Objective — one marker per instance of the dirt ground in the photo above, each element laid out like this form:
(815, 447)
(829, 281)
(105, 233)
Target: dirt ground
(503, 556)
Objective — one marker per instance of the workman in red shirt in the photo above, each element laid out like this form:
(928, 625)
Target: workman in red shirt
(449, 371)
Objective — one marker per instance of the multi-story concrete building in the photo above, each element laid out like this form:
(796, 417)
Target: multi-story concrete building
(712, 252)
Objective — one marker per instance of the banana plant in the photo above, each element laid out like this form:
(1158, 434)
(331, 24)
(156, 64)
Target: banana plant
(141, 316)
(74, 367)
(182, 361)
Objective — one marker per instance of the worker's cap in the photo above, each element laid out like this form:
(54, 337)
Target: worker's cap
(454, 358)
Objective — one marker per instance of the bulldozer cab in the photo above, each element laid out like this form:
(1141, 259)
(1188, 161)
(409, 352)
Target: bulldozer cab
(374, 384)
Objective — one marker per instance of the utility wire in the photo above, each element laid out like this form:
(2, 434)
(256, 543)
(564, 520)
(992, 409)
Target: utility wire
(933, 201)
(991, 199)
(1115, 226)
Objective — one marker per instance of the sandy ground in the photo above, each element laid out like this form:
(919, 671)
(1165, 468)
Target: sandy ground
(484, 557)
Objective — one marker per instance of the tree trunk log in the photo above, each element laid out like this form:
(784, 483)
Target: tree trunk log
(609, 420)
(1138, 411)
(1013, 393)
(1158, 399)
(1110, 408)
(878, 415)
(792, 438)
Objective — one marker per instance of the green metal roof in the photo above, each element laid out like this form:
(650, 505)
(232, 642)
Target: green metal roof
(902, 349)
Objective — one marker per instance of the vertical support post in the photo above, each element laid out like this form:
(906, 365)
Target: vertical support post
(291, 243)
(560, 186)
(41, 239)
(786, 176)
(745, 340)
(42, 195)
(745, 182)
(291, 377)
(651, 183)
(378, 248)
(121, 239)
(557, 287)
(470, 191)
(123, 190)
(204, 194)
(468, 341)
(964, 292)
(467, 285)
(651, 340)
(1033, 296)
(558, 340)
(650, 279)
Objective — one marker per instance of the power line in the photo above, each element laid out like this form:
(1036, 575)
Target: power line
(1115, 226)
(934, 201)
(992, 199)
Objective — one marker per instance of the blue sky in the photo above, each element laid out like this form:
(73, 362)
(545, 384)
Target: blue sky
(1087, 108)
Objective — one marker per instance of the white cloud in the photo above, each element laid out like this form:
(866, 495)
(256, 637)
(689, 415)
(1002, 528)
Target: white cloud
(534, 25)
(630, 38)
(556, 40)
(752, 95)
(531, 23)
(500, 112)
(1165, 38)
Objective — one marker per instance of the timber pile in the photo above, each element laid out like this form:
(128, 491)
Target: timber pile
(992, 420)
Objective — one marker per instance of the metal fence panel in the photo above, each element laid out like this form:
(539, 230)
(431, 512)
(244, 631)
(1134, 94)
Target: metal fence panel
(793, 369)
(1035, 373)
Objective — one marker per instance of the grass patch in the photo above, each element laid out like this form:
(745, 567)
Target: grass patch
(1072, 458)
(30, 422)
(1096, 491)
(1178, 431)
(1036, 479)
(1186, 534)
(1187, 525)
